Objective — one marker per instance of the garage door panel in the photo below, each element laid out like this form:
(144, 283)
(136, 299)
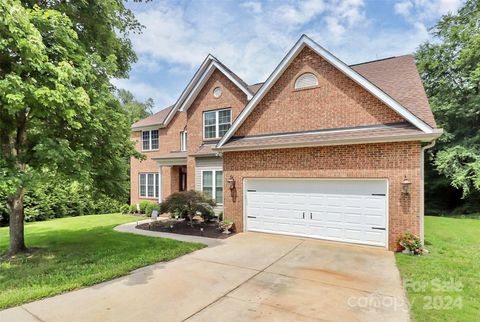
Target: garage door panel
(344, 210)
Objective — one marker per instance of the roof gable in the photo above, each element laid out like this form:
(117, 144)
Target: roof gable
(202, 75)
(355, 76)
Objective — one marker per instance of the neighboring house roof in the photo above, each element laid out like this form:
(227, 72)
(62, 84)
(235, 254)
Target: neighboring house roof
(154, 119)
(340, 136)
(399, 78)
(351, 73)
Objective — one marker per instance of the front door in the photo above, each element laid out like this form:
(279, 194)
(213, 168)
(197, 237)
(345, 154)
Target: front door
(183, 179)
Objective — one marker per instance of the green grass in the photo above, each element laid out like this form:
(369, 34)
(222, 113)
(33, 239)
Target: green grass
(78, 251)
(445, 284)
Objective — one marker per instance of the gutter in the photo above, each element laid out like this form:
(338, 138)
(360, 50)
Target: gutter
(422, 189)
(331, 142)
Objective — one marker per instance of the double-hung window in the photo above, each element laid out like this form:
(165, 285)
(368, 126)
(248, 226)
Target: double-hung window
(149, 185)
(212, 184)
(216, 123)
(150, 140)
(183, 140)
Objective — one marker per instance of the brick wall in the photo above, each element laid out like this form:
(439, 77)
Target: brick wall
(336, 102)
(169, 141)
(390, 161)
(232, 97)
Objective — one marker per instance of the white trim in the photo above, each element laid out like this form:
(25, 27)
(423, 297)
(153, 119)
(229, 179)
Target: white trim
(160, 179)
(291, 55)
(422, 189)
(214, 184)
(302, 76)
(171, 161)
(378, 139)
(387, 214)
(201, 82)
(146, 196)
(195, 84)
(149, 140)
(217, 122)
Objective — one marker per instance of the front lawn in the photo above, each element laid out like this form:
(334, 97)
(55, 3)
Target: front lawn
(445, 284)
(69, 253)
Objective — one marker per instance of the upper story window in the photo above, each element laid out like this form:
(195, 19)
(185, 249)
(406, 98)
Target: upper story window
(306, 80)
(216, 123)
(217, 92)
(150, 140)
(183, 140)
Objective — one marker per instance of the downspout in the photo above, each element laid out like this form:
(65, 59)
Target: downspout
(422, 189)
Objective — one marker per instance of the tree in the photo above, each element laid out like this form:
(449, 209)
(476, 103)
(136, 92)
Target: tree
(187, 204)
(57, 110)
(450, 69)
(135, 110)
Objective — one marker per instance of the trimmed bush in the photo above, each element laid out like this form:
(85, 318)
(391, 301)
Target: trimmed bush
(125, 209)
(151, 207)
(132, 209)
(143, 206)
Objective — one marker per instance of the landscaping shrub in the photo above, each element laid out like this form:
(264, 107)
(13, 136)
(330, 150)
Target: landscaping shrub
(132, 209)
(143, 206)
(187, 204)
(125, 209)
(53, 197)
(151, 206)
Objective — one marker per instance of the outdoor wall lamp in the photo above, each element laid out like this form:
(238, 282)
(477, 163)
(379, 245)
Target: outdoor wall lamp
(231, 182)
(406, 184)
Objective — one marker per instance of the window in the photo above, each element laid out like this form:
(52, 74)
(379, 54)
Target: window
(306, 80)
(216, 123)
(150, 140)
(149, 185)
(212, 184)
(183, 140)
(217, 92)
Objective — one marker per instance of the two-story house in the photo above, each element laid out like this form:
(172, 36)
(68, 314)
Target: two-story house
(320, 149)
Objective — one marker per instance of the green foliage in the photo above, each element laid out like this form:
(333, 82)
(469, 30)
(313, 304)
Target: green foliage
(125, 209)
(134, 109)
(132, 209)
(143, 205)
(58, 110)
(187, 204)
(412, 243)
(75, 252)
(56, 197)
(151, 206)
(450, 69)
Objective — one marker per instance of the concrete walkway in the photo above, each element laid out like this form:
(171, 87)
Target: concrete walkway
(248, 277)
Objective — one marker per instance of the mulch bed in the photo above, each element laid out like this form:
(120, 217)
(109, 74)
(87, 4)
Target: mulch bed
(210, 230)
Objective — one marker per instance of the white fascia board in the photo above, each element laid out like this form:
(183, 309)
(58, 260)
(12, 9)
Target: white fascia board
(301, 43)
(146, 128)
(424, 137)
(204, 78)
(189, 87)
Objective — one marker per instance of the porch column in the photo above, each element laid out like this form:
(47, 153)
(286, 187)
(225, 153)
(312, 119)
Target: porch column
(160, 184)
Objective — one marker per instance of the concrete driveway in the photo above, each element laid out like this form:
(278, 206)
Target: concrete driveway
(249, 277)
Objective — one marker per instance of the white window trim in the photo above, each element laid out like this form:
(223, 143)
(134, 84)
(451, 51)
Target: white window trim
(303, 75)
(150, 140)
(183, 140)
(214, 184)
(217, 125)
(155, 183)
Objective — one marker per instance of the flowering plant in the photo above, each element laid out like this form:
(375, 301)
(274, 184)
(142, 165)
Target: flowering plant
(412, 244)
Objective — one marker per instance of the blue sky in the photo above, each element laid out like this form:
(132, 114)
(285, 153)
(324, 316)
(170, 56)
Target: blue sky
(251, 37)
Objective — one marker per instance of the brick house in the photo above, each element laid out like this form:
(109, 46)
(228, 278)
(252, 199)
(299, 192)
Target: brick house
(320, 149)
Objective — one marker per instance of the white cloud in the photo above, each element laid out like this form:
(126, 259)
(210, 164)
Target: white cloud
(403, 7)
(252, 37)
(143, 91)
(253, 6)
(300, 13)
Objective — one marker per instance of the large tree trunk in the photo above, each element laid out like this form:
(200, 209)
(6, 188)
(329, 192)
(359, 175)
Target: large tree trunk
(17, 239)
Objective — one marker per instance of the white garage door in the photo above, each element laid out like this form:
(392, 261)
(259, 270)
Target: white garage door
(344, 210)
